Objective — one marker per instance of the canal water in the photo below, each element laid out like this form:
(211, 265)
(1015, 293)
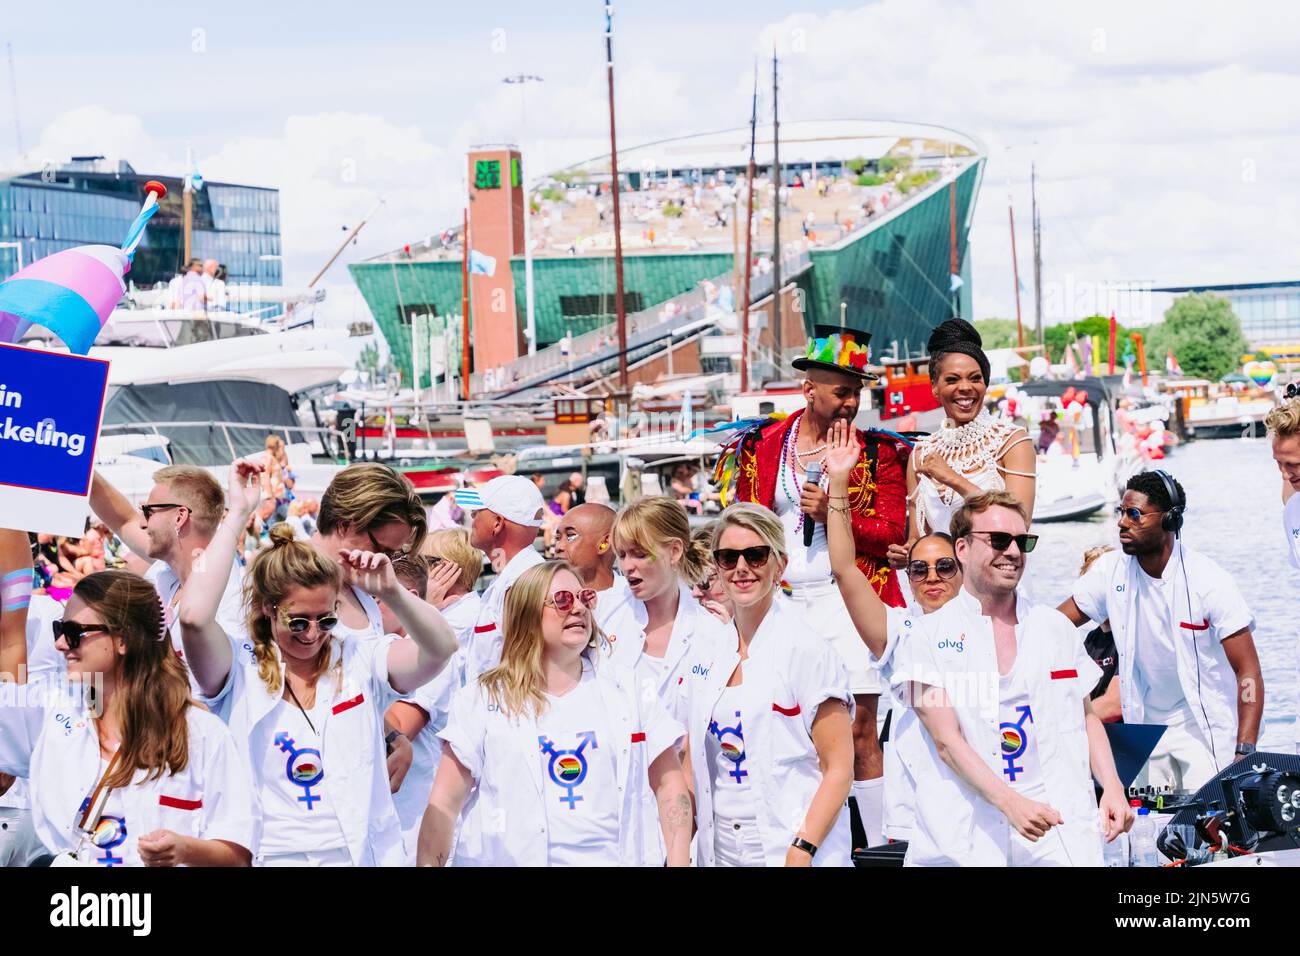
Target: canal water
(1234, 515)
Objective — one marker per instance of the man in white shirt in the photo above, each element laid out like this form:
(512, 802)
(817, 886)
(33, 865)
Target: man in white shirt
(1187, 659)
(508, 511)
(1283, 425)
(1001, 688)
(172, 528)
(584, 539)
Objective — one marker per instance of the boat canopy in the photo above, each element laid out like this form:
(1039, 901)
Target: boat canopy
(1098, 397)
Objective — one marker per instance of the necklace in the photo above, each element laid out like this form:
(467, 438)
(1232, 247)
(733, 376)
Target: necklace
(790, 454)
(294, 697)
(968, 449)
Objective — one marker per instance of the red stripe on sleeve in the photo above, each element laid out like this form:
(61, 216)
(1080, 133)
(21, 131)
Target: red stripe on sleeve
(638, 738)
(792, 712)
(348, 704)
(1063, 675)
(176, 803)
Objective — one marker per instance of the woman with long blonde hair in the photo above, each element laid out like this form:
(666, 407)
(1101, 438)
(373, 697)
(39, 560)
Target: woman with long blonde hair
(125, 771)
(308, 703)
(568, 764)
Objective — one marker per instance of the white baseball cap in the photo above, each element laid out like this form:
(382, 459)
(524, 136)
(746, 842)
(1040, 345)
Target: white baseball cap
(513, 497)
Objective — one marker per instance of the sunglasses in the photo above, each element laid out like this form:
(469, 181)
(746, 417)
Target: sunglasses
(73, 633)
(1134, 515)
(299, 625)
(755, 557)
(945, 568)
(149, 510)
(562, 601)
(1001, 540)
(392, 553)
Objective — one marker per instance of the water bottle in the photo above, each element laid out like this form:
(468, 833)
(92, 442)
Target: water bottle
(1143, 841)
(1115, 853)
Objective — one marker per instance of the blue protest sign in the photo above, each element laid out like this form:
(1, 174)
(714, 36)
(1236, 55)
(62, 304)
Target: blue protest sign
(51, 404)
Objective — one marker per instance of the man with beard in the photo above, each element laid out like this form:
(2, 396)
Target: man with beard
(1186, 655)
(772, 462)
(1001, 687)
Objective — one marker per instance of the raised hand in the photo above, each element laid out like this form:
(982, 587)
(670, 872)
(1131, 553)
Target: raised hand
(843, 450)
(370, 571)
(442, 578)
(244, 489)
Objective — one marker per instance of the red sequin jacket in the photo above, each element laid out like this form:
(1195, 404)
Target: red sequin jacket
(877, 495)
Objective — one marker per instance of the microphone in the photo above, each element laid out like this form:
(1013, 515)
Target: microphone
(813, 477)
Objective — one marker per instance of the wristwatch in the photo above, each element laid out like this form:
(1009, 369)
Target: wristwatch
(1245, 749)
(392, 735)
(799, 843)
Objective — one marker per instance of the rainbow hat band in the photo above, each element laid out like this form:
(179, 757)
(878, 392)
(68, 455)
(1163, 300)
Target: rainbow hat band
(836, 348)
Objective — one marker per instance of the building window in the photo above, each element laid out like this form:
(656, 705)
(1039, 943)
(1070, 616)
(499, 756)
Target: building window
(578, 308)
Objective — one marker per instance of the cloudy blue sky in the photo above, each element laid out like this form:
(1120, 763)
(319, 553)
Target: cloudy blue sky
(1164, 133)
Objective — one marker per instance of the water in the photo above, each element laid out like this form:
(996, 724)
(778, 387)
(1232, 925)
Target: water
(1234, 515)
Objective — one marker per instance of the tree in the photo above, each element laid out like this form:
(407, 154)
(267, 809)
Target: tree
(1056, 337)
(1204, 335)
(997, 333)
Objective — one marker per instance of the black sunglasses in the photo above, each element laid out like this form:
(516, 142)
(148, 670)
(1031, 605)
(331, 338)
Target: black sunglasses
(149, 510)
(1001, 540)
(945, 568)
(72, 632)
(755, 557)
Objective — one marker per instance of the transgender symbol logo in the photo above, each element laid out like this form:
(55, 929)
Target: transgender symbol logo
(568, 768)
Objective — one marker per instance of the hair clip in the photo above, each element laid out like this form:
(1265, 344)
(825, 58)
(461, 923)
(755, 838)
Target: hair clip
(1292, 390)
(163, 626)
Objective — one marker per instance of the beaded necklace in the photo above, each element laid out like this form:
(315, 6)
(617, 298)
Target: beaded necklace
(789, 453)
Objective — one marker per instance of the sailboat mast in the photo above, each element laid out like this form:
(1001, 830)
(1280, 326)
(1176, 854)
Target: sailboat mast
(618, 220)
(1015, 269)
(1038, 253)
(749, 241)
(187, 204)
(776, 217)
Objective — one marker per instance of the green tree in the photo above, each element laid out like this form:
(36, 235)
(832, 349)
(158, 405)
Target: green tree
(997, 333)
(1056, 336)
(1204, 335)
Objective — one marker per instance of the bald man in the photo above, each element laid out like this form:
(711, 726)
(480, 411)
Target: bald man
(584, 538)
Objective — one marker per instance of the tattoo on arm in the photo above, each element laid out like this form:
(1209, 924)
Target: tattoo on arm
(679, 812)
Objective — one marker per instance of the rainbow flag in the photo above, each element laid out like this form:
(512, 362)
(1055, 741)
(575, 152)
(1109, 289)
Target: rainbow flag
(72, 293)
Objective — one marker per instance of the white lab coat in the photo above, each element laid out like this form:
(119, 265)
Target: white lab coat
(953, 648)
(611, 601)
(1217, 612)
(905, 734)
(789, 673)
(46, 735)
(505, 819)
(484, 651)
(352, 741)
(694, 627)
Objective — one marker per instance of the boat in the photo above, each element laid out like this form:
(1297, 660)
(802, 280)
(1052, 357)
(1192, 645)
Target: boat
(1221, 411)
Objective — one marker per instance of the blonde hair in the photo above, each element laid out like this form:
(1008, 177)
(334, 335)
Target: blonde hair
(1090, 557)
(702, 549)
(367, 494)
(153, 696)
(963, 519)
(412, 570)
(1284, 421)
(648, 521)
(755, 518)
(517, 685)
(271, 575)
(200, 491)
(453, 545)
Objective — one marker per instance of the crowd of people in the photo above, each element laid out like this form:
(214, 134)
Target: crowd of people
(646, 693)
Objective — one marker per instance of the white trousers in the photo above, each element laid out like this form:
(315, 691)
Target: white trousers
(339, 857)
(737, 843)
(19, 845)
(1180, 760)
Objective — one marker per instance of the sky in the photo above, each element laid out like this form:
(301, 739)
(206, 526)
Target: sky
(1164, 134)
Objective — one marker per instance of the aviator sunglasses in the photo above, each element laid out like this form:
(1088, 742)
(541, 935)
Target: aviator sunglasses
(1001, 540)
(945, 568)
(73, 633)
(562, 601)
(755, 557)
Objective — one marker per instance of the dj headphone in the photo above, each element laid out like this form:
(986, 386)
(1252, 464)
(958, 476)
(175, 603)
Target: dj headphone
(1172, 520)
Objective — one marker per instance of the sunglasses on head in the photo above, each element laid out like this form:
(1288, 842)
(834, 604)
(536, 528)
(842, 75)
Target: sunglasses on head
(755, 557)
(73, 633)
(299, 625)
(1001, 540)
(562, 601)
(149, 510)
(945, 568)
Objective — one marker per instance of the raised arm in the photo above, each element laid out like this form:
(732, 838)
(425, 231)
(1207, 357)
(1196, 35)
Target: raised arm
(873, 535)
(865, 607)
(15, 596)
(413, 663)
(122, 517)
(451, 789)
(207, 646)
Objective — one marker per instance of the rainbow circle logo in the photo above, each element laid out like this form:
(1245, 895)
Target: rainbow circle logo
(109, 831)
(1012, 742)
(568, 769)
(733, 748)
(305, 768)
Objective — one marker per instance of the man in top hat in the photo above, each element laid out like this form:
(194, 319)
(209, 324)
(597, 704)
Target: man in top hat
(772, 463)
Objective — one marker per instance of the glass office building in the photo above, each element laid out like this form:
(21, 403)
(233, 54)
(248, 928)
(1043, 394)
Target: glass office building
(81, 203)
(1269, 312)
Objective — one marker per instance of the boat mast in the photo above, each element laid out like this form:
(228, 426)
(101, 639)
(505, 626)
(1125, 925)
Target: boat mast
(776, 219)
(1038, 254)
(618, 220)
(339, 251)
(1015, 268)
(464, 307)
(187, 203)
(749, 242)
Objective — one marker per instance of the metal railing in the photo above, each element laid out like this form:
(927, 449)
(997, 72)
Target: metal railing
(160, 430)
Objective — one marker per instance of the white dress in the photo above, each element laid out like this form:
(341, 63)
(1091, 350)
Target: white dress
(973, 451)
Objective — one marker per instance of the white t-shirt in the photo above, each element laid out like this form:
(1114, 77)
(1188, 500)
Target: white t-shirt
(724, 745)
(807, 564)
(1155, 657)
(298, 815)
(113, 842)
(1022, 767)
(579, 777)
(1291, 523)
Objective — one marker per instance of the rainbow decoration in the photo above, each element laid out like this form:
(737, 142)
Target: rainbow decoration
(840, 349)
(568, 769)
(1261, 373)
(72, 293)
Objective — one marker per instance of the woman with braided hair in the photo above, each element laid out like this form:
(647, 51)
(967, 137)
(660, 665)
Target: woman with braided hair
(125, 769)
(973, 451)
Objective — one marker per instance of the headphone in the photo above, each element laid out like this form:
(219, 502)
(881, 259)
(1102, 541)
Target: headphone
(1172, 520)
